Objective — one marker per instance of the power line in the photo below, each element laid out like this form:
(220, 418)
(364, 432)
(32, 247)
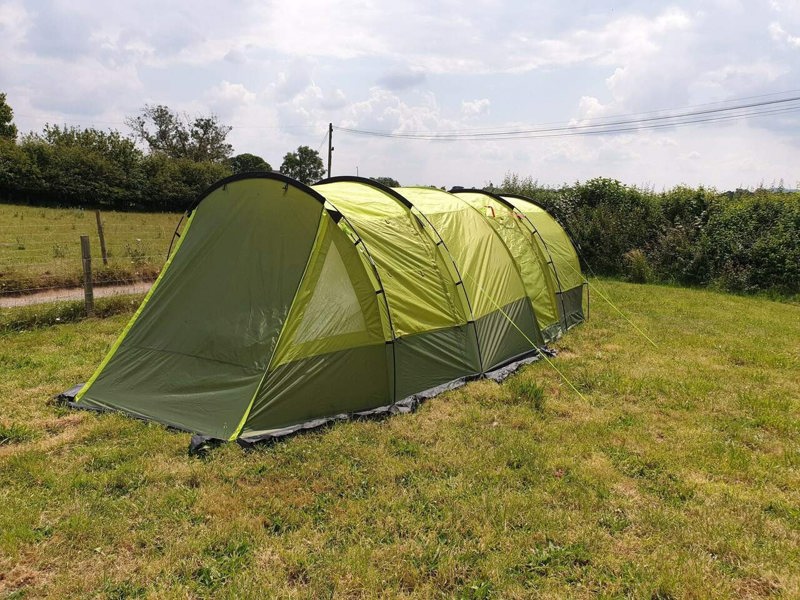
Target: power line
(686, 117)
(690, 107)
(324, 138)
(695, 114)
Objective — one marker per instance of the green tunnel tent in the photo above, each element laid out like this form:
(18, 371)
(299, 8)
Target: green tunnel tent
(284, 306)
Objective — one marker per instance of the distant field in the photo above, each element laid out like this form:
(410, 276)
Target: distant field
(678, 476)
(40, 247)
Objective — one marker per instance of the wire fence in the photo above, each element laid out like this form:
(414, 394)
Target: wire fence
(41, 257)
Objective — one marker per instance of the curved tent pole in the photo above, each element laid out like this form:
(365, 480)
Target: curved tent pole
(410, 206)
(514, 211)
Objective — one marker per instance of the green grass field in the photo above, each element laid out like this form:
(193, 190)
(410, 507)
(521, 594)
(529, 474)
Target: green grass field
(677, 476)
(40, 247)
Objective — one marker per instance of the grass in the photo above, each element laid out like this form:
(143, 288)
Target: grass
(55, 313)
(678, 476)
(40, 247)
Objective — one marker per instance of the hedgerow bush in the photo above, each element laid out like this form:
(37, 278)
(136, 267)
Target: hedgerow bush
(69, 166)
(752, 242)
(744, 241)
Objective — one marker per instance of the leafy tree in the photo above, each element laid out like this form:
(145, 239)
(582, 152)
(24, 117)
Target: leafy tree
(19, 174)
(243, 163)
(110, 144)
(174, 183)
(305, 165)
(387, 181)
(174, 135)
(7, 127)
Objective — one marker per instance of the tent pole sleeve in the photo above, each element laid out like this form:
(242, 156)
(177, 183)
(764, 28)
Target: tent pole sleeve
(460, 281)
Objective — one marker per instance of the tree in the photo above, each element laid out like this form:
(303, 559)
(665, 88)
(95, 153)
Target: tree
(172, 134)
(243, 163)
(19, 174)
(7, 128)
(305, 165)
(174, 183)
(387, 181)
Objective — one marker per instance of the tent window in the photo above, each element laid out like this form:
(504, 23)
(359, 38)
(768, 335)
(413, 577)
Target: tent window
(333, 308)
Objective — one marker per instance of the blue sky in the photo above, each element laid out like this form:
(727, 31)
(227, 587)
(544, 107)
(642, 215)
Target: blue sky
(280, 71)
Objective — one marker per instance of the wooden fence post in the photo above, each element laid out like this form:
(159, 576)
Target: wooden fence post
(102, 237)
(88, 292)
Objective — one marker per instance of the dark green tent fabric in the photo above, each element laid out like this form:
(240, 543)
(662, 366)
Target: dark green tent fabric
(284, 306)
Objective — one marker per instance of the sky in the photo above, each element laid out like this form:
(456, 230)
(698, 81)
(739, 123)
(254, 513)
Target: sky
(280, 71)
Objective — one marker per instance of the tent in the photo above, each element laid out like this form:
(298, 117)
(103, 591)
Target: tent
(554, 278)
(284, 306)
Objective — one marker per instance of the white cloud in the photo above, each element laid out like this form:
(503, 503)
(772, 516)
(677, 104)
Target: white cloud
(778, 34)
(14, 20)
(279, 73)
(228, 95)
(474, 108)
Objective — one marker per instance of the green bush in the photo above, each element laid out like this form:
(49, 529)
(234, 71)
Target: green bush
(637, 267)
(174, 183)
(752, 242)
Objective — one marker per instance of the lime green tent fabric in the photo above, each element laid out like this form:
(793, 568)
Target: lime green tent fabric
(490, 275)
(429, 320)
(563, 258)
(527, 254)
(284, 306)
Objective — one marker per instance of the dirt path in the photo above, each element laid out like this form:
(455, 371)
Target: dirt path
(73, 294)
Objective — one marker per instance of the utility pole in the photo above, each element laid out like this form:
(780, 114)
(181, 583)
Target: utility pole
(330, 147)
